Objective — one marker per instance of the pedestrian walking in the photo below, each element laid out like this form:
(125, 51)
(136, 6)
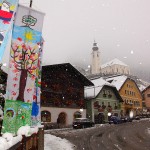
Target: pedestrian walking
(58, 122)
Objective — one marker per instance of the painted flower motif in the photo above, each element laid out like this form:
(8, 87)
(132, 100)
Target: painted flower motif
(14, 93)
(28, 101)
(34, 97)
(32, 57)
(34, 67)
(19, 39)
(23, 46)
(16, 65)
(15, 71)
(32, 78)
(14, 85)
(15, 79)
(29, 90)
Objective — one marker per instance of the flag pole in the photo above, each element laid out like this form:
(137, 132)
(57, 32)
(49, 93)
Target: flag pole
(30, 3)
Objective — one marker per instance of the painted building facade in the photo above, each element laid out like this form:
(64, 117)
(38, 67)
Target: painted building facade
(102, 99)
(62, 94)
(130, 94)
(146, 98)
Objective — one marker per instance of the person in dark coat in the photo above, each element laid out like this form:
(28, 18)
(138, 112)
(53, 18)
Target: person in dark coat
(58, 122)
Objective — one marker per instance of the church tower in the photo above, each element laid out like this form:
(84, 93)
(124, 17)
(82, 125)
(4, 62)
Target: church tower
(95, 55)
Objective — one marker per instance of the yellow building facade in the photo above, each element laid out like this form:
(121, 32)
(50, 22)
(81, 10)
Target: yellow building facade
(132, 98)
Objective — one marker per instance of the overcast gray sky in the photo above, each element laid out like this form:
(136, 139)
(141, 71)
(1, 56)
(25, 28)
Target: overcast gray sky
(120, 27)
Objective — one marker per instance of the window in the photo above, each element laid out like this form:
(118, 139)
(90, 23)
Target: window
(104, 95)
(148, 95)
(77, 115)
(45, 116)
(96, 104)
(109, 94)
(104, 91)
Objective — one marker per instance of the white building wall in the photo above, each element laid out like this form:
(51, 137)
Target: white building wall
(69, 113)
(114, 69)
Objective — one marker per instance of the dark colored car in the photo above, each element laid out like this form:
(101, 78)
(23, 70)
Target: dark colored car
(137, 117)
(82, 123)
(115, 120)
(126, 119)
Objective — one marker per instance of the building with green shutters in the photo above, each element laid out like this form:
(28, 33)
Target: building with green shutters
(102, 99)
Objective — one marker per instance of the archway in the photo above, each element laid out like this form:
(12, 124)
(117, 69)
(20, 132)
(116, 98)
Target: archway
(45, 116)
(99, 118)
(62, 118)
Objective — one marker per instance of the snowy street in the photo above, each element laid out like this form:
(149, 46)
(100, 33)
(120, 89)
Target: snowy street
(124, 136)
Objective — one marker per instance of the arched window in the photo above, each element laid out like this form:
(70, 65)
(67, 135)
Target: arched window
(77, 114)
(45, 116)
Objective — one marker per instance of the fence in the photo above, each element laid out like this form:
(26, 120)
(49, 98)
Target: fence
(34, 142)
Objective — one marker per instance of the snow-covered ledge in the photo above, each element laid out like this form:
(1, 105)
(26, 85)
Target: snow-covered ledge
(8, 140)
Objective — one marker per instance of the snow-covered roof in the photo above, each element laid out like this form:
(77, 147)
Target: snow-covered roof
(113, 62)
(145, 88)
(117, 81)
(94, 90)
(141, 87)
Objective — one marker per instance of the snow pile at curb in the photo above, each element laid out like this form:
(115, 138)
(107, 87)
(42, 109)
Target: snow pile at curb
(52, 142)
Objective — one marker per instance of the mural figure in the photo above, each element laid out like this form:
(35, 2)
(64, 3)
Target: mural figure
(5, 12)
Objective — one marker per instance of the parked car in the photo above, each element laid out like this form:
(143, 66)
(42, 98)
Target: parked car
(126, 119)
(115, 120)
(82, 123)
(137, 117)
